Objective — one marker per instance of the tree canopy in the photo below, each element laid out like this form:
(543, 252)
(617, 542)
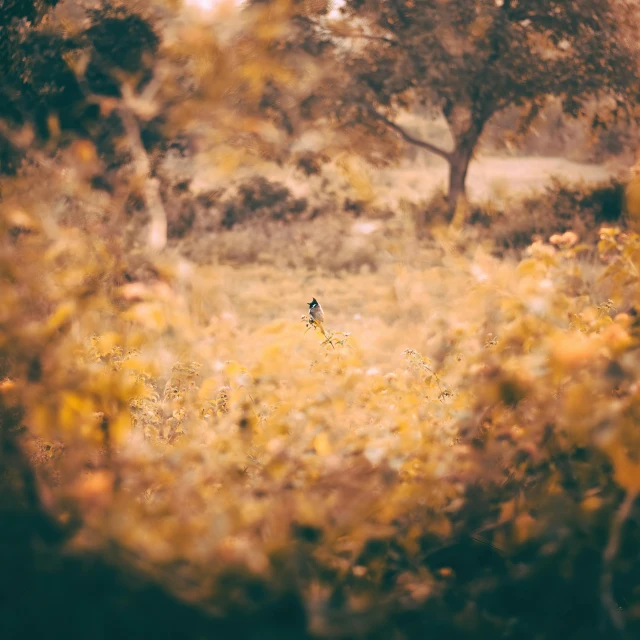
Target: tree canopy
(127, 80)
(468, 60)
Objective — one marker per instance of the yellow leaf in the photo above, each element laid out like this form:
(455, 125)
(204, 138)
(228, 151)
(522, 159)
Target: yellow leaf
(19, 219)
(40, 419)
(73, 409)
(96, 487)
(208, 389)
(119, 427)
(627, 472)
(141, 366)
(441, 527)
(577, 403)
(507, 510)
(616, 338)
(592, 503)
(85, 151)
(61, 315)
(106, 342)
(529, 267)
(233, 369)
(147, 314)
(572, 350)
(322, 445)
(523, 527)
(358, 177)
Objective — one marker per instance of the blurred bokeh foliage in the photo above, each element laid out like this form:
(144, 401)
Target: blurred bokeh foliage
(181, 456)
(460, 493)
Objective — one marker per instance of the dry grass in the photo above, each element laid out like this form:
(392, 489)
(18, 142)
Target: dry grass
(244, 452)
(222, 450)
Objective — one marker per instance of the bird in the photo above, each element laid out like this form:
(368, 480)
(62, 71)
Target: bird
(317, 314)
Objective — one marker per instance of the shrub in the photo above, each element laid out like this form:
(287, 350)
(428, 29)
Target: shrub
(562, 206)
(456, 485)
(260, 198)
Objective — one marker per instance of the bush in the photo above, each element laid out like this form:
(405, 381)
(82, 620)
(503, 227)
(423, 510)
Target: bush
(562, 206)
(260, 198)
(247, 470)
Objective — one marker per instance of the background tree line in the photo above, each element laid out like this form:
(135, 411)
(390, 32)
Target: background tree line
(135, 82)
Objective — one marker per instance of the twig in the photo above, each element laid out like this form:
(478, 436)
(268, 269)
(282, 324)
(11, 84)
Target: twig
(158, 229)
(127, 108)
(365, 36)
(611, 551)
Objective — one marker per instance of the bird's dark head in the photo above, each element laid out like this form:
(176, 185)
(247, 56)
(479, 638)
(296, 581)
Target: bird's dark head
(313, 304)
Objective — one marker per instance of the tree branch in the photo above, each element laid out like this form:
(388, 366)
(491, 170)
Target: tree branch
(606, 581)
(407, 137)
(364, 36)
(153, 200)
(332, 31)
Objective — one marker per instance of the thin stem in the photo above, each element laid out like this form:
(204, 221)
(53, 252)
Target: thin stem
(153, 200)
(611, 551)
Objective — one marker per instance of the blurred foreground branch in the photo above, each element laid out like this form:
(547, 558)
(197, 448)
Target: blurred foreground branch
(151, 187)
(609, 603)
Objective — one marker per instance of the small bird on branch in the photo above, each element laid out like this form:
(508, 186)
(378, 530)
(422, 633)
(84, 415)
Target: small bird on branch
(317, 315)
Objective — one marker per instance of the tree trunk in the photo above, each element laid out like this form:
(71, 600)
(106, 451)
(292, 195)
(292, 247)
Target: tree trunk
(151, 186)
(466, 124)
(458, 168)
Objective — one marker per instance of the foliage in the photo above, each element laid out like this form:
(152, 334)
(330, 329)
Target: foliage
(555, 134)
(454, 456)
(126, 81)
(489, 465)
(268, 198)
(472, 60)
(561, 207)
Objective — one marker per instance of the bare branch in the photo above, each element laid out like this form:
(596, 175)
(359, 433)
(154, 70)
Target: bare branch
(364, 36)
(130, 108)
(158, 229)
(407, 137)
(610, 553)
(334, 32)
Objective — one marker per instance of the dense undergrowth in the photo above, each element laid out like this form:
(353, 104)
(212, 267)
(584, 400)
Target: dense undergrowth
(182, 454)
(260, 220)
(462, 463)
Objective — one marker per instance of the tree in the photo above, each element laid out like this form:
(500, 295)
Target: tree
(127, 80)
(58, 75)
(470, 59)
